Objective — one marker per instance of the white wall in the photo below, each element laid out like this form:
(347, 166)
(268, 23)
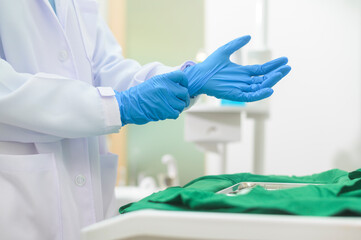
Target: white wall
(316, 111)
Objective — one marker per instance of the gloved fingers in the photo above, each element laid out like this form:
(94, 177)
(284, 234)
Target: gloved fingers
(177, 97)
(233, 69)
(169, 108)
(179, 92)
(268, 80)
(231, 47)
(178, 77)
(284, 70)
(275, 76)
(250, 84)
(188, 100)
(257, 79)
(255, 70)
(183, 95)
(257, 95)
(175, 114)
(176, 105)
(235, 44)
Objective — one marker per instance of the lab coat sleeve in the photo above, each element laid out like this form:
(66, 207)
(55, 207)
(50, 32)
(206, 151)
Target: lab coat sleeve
(111, 69)
(49, 107)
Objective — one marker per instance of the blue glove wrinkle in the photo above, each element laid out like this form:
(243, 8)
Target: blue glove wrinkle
(193, 73)
(140, 105)
(254, 87)
(182, 93)
(255, 70)
(258, 79)
(167, 96)
(176, 100)
(258, 95)
(175, 103)
(173, 113)
(153, 100)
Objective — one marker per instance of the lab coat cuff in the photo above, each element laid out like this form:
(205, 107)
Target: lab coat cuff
(166, 69)
(187, 64)
(110, 106)
(152, 69)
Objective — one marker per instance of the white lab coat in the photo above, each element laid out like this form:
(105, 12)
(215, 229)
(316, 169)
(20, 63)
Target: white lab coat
(57, 73)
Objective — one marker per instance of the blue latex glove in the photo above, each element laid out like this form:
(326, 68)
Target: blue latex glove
(160, 97)
(219, 77)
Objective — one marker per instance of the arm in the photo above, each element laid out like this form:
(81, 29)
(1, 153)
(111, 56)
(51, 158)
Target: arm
(161, 97)
(111, 69)
(52, 105)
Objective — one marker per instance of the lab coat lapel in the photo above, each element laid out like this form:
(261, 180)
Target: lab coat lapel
(87, 15)
(62, 9)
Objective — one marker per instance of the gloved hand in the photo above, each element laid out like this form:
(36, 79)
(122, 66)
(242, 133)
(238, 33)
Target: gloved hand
(160, 97)
(219, 77)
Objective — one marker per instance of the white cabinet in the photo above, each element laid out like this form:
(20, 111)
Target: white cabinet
(212, 127)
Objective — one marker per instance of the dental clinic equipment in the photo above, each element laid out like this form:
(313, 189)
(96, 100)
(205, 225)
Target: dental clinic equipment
(212, 128)
(171, 178)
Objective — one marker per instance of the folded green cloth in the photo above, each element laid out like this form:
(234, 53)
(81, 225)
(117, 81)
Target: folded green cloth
(340, 196)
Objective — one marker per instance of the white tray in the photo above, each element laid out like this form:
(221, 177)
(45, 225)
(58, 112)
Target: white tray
(154, 224)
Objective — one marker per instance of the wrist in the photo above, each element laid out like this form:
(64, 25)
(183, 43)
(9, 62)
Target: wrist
(196, 79)
(121, 99)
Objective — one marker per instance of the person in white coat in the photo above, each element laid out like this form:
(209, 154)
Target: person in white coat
(64, 84)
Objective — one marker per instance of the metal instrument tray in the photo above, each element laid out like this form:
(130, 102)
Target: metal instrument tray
(246, 187)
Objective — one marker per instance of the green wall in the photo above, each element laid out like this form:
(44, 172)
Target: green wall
(170, 32)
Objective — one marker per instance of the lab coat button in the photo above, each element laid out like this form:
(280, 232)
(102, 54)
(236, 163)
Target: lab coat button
(63, 56)
(80, 180)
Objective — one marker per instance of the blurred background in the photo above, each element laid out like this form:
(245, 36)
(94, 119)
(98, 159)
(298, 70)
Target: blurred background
(312, 122)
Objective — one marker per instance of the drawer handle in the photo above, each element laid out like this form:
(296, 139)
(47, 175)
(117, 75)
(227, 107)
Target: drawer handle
(211, 130)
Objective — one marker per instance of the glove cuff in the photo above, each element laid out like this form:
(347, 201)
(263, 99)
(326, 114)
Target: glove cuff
(195, 80)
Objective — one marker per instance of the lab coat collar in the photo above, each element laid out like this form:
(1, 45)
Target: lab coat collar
(61, 11)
